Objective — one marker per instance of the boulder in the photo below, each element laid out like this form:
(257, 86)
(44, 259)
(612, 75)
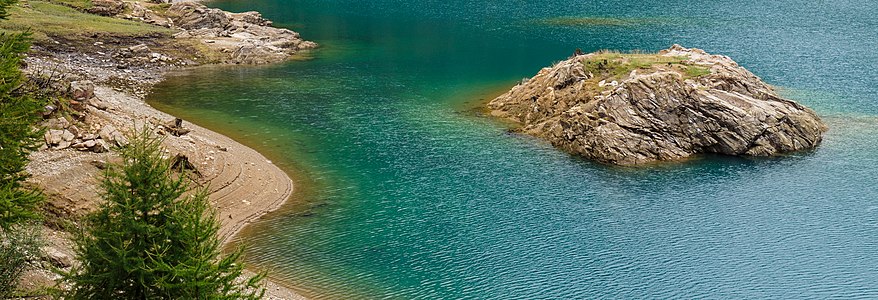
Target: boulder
(67, 136)
(75, 130)
(140, 48)
(106, 7)
(110, 135)
(100, 146)
(54, 137)
(82, 90)
(666, 106)
(98, 103)
(57, 258)
(63, 145)
(191, 15)
(251, 17)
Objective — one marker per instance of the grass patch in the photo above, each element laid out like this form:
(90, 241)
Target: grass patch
(696, 71)
(80, 5)
(161, 9)
(611, 66)
(46, 19)
(600, 22)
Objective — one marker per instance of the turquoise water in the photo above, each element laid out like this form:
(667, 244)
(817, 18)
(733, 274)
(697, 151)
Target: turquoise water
(405, 192)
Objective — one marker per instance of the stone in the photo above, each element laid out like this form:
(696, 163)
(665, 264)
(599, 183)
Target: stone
(67, 136)
(141, 48)
(63, 145)
(107, 132)
(57, 258)
(106, 7)
(251, 17)
(88, 136)
(59, 123)
(74, 130)
(54, 137)
(120, 139)
(695, 103)
(100, 146)
(98, 103)
(82, 90)
(112, 136)
(48, 110)
(191, 15)
(100, 164)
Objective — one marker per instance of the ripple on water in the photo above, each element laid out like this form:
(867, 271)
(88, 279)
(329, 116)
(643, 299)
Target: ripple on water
(410, 199)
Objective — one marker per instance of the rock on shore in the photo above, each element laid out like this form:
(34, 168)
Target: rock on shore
(629, 109)
(246, 37)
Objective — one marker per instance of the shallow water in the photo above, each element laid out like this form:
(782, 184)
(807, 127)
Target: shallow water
(403, 192)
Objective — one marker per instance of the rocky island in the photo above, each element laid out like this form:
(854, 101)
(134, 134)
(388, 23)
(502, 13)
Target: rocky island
(630, 109)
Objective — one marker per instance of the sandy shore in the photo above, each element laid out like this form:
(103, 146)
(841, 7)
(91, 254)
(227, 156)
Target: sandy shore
(243, 184)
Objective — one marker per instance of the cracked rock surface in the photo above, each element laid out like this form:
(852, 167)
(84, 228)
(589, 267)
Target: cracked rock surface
(660, 111)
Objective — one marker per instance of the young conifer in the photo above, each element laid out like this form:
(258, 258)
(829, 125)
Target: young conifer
(19, 113)
(151, 240)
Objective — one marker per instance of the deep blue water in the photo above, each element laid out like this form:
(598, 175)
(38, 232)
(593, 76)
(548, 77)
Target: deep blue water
(403, 192)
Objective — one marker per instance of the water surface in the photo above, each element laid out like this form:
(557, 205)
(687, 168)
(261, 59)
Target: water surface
(403, 192)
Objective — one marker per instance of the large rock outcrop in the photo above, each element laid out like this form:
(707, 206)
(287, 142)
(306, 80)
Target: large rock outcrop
(246, 38)
(630, 109)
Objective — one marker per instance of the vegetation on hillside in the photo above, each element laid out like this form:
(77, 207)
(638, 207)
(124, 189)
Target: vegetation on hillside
(46, 19)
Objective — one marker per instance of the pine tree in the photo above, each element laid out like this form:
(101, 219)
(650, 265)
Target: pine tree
(19, 240)
(150, 241)
(18, 117)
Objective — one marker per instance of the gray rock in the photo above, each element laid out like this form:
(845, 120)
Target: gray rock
(82, 90)
(107, 132)
(141, 48)
(191, 15)
(68, 136)
(106, 7)
(251, 17)
(63, 145)
(54, 137)
(98, 103)
(59, 123)
(701, 104)
(100, 146)
(74, 130)
(57, 258)
(120, 139)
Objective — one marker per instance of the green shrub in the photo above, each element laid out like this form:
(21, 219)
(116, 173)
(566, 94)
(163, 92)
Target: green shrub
(18, 247)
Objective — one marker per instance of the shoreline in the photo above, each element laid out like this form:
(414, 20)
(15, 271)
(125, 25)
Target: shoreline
(243, 184)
